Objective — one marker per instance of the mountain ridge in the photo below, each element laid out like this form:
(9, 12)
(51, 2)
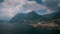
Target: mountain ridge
(33, 17)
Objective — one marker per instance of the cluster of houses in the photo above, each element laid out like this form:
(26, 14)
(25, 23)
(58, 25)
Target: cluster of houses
(46, 25)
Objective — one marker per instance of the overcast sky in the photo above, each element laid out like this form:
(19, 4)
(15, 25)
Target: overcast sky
(9, 8)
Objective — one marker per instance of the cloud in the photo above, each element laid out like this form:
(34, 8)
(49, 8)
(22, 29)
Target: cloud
(32, 5)
(13, 6)
(52, 4)
(10, 8)
(44, 12)
(37, 1)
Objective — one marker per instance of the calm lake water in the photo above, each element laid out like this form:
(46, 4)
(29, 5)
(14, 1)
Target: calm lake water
(26, 29)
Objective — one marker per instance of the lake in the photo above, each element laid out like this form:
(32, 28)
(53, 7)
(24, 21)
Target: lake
(24, 29)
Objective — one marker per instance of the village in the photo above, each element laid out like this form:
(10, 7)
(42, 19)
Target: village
(50, 25)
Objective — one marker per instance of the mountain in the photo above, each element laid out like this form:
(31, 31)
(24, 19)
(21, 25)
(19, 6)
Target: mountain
(31, 17)
(54, 15)
(18, 18)
(57, 15)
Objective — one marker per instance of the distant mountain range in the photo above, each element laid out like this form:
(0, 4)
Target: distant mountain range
(2, 21)
(33, 17)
